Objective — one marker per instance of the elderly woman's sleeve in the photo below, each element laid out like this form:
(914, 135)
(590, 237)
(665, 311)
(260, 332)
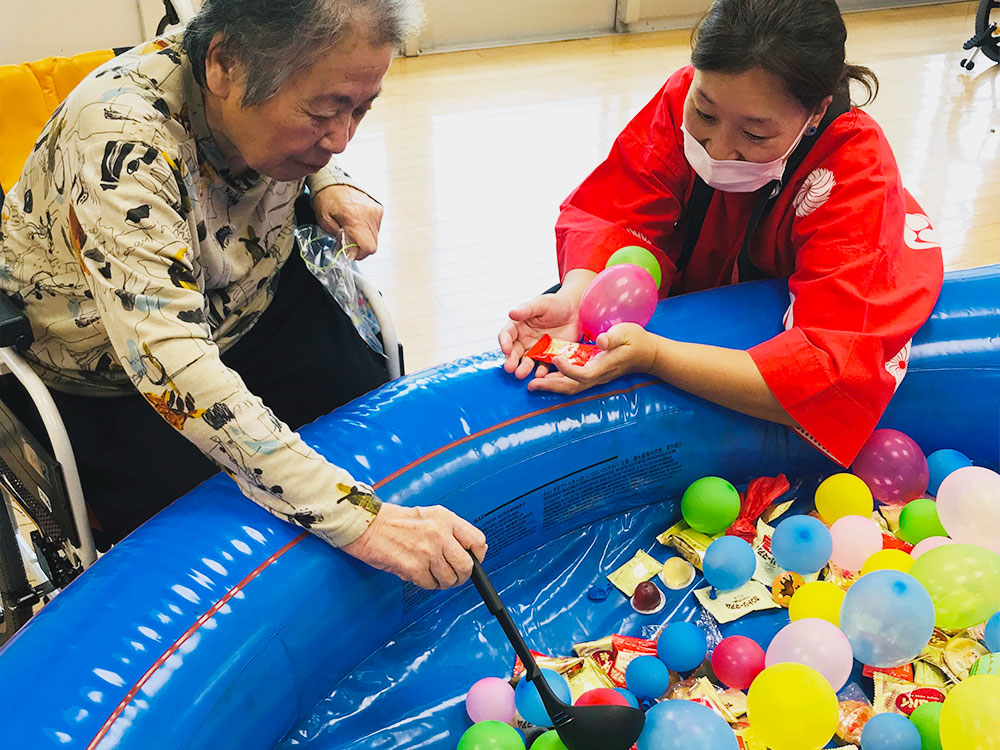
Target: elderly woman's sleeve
(864, 283)
(132, 234)
(331, 174)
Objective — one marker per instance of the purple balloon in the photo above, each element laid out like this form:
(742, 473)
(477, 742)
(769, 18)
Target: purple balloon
(490, 699)
(623, 293)
(893, 467)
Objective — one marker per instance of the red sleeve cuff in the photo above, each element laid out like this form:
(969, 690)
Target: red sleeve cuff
(805, 386)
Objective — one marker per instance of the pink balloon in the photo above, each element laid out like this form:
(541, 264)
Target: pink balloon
(855, 539)
(893, 467)
(926, 545)
(623, 293)
(968, 504)
(490, 699)
(816, 643)
(737, 660)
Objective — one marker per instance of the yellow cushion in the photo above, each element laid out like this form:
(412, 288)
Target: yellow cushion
(29, 94)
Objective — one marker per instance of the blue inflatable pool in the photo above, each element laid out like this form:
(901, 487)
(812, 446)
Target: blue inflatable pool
(217, 626)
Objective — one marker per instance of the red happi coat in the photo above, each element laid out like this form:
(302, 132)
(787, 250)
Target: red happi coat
(863, 265)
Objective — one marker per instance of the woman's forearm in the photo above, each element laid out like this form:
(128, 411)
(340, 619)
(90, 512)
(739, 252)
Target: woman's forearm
(728, 377)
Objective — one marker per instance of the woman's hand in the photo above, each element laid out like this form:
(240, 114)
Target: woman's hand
(549, 313)
(357, 213)
(427, 546)
(625, 348)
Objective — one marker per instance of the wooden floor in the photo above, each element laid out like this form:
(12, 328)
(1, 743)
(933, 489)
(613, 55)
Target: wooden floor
(472, 152)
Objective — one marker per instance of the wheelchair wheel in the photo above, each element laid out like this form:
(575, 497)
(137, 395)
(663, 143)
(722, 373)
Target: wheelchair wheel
(983, 20)
(15, 591)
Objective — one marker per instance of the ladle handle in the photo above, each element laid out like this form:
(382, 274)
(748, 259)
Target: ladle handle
(492, 601)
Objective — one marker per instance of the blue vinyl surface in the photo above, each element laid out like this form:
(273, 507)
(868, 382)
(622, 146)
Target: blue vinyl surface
(217, 626)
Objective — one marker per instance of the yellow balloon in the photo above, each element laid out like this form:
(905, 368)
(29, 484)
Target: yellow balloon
(843, 495)
(970, 717)
(819, 599)
(888, 559)
(792, 707)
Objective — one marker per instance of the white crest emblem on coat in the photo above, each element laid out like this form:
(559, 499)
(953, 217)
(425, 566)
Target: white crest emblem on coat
(815, 191)
(898, 365)
(919, 234)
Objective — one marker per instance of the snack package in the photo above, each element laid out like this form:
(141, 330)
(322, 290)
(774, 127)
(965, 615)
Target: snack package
(960, 653)
(732, 605)
(547, 349)
(853, 715)
(586, 675)
(601, 650)
(903, 697)
(690, 544)
(904, 672)
(760, 494)
(560, 664)
(626, 649)
(701, 690)
(642, 567)
(745, 738)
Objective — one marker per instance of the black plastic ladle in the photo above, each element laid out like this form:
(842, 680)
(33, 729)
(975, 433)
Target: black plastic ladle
(579, 727)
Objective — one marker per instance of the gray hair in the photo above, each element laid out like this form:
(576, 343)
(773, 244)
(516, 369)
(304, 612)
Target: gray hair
(273, 39)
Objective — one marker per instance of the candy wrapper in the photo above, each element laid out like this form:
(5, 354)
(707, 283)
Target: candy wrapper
(642, 567)
(761, 492)
(547, 349)
(988, 664)
(701, 690)
(960, 653)
(560, 664)
(628, 648)
(601, 650)
(853, 715)
(904, 672)
(732, 605)
(677, 573)
(586, 675)
(903, 697)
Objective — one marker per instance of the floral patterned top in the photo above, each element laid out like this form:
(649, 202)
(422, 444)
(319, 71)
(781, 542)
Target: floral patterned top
(139, 259)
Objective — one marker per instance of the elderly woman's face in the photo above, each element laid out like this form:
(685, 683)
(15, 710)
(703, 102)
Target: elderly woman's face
(311, 117)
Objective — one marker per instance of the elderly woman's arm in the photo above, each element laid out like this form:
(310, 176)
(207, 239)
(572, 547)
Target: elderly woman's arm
(133, 240)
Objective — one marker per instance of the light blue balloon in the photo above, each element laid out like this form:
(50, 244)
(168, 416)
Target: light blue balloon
(647, 677)
(802, 544)
(685, 725)
(682, 646)
(632, 700)
(529, 703)
(942, 463)
(890, 732)
(992, 635)
(888, 617)
(729, 562)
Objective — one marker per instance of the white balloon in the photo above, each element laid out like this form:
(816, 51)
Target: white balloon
(968, 505)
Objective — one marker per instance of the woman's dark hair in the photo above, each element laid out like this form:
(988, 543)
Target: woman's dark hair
(799, 41)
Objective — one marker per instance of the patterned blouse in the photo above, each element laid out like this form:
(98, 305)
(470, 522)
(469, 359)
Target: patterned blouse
(139, 259)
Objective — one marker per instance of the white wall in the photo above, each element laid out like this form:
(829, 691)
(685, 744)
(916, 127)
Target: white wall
(32, 29)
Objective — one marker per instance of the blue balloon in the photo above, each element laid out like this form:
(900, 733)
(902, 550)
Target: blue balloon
(529, 703)
(890, 732)
(888, 617)
(685, 725)
(682, 646)
(802, 544)
(992, 635)
(729, 562)
(942, 463)
(647, 677)
(632, 700)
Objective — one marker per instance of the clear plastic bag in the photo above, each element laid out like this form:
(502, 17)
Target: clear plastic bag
(328, 258)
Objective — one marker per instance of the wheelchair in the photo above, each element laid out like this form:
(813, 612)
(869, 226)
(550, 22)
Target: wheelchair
(44, 484)
(987, 36)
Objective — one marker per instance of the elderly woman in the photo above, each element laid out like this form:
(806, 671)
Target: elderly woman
(150, 242)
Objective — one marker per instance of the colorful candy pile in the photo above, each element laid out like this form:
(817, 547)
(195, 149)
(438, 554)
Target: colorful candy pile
(893, 641)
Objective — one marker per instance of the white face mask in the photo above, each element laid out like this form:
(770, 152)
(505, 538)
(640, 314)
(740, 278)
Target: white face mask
(730, 175)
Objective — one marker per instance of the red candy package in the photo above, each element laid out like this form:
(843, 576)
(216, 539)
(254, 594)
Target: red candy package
(548, 348)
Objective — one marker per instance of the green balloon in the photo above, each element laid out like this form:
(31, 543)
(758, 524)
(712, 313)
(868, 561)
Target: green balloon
(710, 505)
(963, 581)
(491, 735)
(927, 718)
(641, 257)
(919, 520)
(548, 741)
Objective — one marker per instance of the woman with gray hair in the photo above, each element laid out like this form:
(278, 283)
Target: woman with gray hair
(149, 240)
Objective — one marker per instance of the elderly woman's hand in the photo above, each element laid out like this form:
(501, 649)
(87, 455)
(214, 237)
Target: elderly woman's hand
(357, 213)
(424, 545)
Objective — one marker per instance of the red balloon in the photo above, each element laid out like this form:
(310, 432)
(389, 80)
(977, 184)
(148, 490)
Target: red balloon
(602, 697)
(737, 660)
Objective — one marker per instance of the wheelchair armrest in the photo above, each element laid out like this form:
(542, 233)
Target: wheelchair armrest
(15, 330)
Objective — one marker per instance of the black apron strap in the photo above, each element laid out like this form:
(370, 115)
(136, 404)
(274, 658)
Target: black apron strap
(701, 198)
